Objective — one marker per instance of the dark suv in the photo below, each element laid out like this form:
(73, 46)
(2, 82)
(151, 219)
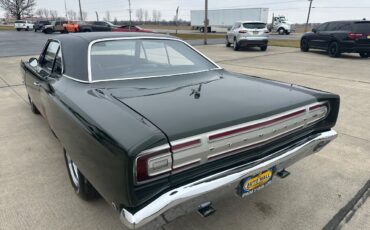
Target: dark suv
(339, 37)
(40, 24)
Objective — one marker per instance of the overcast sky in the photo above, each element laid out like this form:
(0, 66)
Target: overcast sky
(294, 10)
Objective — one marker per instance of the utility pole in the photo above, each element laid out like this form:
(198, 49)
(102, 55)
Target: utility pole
(129, 10)
(65, 8)
(308, 16)
(205, 22)
(79, 4)
(97, 16)
(177, 18)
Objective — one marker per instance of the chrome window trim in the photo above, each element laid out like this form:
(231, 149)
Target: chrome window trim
(74, 79)
(144, 38)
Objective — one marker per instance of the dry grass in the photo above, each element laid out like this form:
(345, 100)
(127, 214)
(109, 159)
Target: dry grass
(163, 27)
(197, 36)
(3, 27)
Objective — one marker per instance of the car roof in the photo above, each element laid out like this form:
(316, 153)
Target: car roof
(250, 22)
(75, 48)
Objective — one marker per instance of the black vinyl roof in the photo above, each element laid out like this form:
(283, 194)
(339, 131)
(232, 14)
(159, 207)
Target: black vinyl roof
(75, 49)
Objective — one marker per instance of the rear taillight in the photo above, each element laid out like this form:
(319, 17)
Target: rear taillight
(156, 162)
(153, 163)
(354, 36)
(242, 31)
(318, 112)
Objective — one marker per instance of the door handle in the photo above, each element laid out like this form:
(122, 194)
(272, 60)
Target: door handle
(36, 83)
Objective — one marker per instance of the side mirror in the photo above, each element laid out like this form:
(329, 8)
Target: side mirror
(33, 62)
(314, 30)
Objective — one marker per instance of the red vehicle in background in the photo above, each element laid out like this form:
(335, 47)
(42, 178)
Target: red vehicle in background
(128, 28)
(72, 26)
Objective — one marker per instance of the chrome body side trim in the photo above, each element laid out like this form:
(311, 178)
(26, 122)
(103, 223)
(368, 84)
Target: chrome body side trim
(226, 180)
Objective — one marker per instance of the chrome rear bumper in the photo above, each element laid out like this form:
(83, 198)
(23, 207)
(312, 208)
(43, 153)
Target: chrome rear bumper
(214, 186)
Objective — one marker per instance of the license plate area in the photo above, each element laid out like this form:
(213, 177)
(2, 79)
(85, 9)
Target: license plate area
(255, 182)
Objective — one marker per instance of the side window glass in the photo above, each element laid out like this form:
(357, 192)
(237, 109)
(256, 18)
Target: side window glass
(334, 26)
(49, 56)
(58, 66)
(346, 26)
(322, 27)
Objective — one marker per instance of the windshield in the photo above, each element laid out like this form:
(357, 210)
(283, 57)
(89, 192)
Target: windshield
(137, 58)
(256, 25)
(109, 23)
(362, 27)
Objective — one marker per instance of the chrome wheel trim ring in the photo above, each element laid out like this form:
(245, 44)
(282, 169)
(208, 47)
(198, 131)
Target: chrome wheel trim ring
(73, 170)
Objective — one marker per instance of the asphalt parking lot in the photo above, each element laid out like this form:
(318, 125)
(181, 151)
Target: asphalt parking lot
(35, 191)
(18, 43)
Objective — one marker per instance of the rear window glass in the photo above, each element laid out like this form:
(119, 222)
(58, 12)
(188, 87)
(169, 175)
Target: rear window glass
(20, 21)
(362, 27)
(254, 25)
(144, 58)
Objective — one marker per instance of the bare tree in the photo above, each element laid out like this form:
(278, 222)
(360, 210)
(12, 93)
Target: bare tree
(53, 14)
(140, 14)
(72, 15)
(159, 15)
(146, 15)
(107, 16)
(46, 13)
(18, 8)
(39, 13)
(115, 21)
(84, 15)
(154, 15)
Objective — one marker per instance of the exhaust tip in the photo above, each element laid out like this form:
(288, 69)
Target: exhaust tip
(206, 209)
(283, 173)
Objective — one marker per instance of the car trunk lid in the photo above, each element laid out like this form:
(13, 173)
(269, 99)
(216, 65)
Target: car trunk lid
(187, 105)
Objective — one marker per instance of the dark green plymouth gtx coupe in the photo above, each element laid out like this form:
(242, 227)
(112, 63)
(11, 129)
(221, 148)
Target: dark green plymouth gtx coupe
(157, 129)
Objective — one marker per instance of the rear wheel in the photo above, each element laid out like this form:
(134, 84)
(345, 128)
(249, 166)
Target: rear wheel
(80, 184)
(227, 42)
(304, 45)
(365, 54)
(18, 29)
(263, 48)
(33, 107)
(48, 31)
(27, 28)
(236, 45)
(334, 49)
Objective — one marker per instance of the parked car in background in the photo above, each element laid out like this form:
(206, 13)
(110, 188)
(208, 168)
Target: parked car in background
(153, 125)
(40, 24)
(97, 26)
(23, 25)
(55, 26)
(248, 34)
(339, 37)
(128, 28)
(72, 26)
